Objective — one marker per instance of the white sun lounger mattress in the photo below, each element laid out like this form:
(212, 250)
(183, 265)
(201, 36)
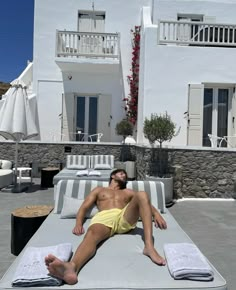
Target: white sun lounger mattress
(66, 174)
(119, 262)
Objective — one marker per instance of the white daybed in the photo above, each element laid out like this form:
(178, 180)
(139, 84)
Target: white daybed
(119, 263)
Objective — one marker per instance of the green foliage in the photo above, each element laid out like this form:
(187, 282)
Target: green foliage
(159, 128)
(124, 128)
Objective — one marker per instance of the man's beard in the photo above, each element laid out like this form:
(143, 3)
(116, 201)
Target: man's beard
(121, 183)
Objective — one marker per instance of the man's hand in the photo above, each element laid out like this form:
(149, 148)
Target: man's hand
(78, 229)
(159, 221)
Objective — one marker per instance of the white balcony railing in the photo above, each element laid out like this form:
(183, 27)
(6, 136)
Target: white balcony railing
(196, 33)
(87, 44)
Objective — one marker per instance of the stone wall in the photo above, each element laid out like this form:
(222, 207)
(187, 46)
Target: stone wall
(197, 172)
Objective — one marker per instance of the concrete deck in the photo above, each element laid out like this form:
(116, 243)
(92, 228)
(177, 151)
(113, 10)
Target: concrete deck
(210, 224)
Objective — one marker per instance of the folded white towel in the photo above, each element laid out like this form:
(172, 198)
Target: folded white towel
(185, 261)
(82, 173)
(94, 173)
(32, 271)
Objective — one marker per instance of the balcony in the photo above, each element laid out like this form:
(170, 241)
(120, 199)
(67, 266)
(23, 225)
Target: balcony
(196, 33)
(73, 44)
(94, 52)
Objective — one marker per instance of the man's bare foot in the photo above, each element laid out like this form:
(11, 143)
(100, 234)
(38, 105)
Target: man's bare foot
(62, 270)
(154, 256)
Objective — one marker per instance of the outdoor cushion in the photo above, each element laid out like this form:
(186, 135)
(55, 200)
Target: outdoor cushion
(119, 263)
(81, 188)
(102, 159)
(76, 166)
(6, 164)
(66, 174)
(102, 166)
(71, 206)
(77, 162)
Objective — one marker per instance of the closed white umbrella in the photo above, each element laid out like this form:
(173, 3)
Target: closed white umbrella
(16, 118)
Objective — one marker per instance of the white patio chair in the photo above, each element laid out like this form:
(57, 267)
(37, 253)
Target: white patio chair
(97, 137)
(216, 141)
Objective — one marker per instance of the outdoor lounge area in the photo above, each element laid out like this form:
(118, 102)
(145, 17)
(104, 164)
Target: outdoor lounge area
(188, 221)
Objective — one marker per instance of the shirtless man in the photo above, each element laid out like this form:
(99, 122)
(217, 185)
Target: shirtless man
(119, 211)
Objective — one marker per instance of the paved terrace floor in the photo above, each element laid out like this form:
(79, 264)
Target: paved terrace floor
(210, 224)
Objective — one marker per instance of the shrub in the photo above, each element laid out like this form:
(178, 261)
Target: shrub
(159, 128)
(124, 128)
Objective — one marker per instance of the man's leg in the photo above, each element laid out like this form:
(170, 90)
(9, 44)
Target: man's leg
(68, 271)
(140, 206)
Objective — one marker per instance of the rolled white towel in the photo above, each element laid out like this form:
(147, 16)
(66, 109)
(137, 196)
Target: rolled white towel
(185, 261)
(94, 173)
(82, 173)
(32, 271)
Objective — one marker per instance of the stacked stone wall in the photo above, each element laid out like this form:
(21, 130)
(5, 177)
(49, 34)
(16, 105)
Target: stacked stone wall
(197, 173)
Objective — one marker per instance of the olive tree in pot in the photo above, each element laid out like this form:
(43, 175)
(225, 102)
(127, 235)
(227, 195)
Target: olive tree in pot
(160, 128)
(125, 128)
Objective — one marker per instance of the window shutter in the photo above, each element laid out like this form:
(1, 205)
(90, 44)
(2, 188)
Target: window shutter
(209, 19)
(67, 126)
(233, 114)
(195, 114)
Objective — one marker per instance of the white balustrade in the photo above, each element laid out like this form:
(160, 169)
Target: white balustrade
(196, 33)
(87, 44)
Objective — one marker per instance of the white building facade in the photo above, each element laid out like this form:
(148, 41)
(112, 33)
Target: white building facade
(82, 57)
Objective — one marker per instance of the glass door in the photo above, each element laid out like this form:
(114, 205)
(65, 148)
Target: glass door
(216, 112)
(86, 117)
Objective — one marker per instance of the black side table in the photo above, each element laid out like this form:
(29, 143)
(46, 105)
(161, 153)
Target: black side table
(25, 222)
(47, 175)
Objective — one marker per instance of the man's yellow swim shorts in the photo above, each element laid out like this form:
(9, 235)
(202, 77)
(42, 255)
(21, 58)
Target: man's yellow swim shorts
(114, 219)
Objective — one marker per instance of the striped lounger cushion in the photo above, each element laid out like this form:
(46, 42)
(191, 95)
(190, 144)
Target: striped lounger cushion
(102, 161)
(79, 189)
(79, 162)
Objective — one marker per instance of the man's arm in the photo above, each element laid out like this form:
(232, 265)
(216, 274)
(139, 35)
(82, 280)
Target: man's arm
(158, 219)
(88, 202)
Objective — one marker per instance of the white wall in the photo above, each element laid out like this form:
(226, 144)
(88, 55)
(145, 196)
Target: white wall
(223, 10)
(49, 108)
(169, 69)
(52, 15)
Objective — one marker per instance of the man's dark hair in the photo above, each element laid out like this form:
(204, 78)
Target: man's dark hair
(117, 171)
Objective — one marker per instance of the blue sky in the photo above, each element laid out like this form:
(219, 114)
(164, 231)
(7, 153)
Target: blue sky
(16, 37)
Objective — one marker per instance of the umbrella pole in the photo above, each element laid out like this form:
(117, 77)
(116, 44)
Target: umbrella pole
(17, 187)
(16, 162)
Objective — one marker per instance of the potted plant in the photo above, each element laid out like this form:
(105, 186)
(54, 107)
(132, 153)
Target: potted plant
(125, 128)
(160, 128)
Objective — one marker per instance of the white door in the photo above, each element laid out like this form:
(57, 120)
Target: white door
(91, 22)
(92, 117)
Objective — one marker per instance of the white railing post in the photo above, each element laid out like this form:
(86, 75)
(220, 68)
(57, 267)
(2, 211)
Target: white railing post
(87, 44)
(196, 33)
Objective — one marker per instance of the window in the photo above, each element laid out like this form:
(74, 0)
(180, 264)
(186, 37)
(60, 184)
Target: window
(190, 17)
(216, 112)
(187, 31)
